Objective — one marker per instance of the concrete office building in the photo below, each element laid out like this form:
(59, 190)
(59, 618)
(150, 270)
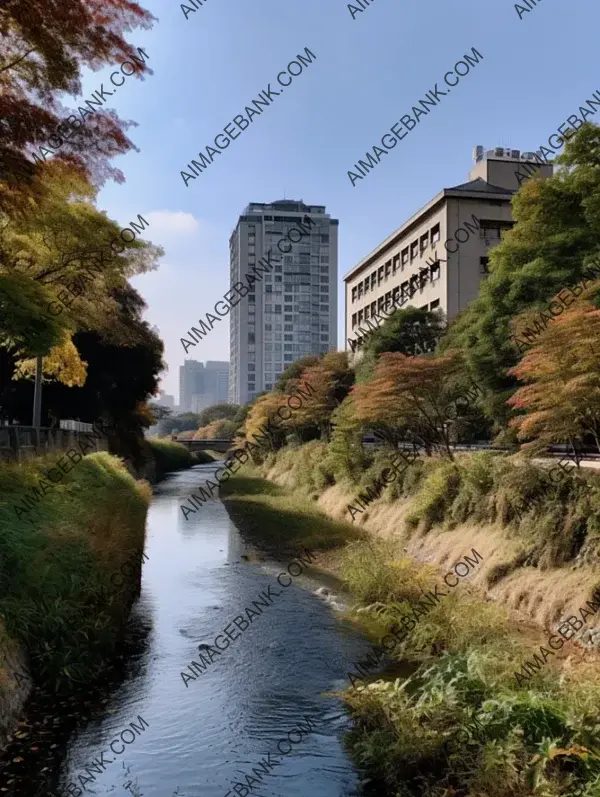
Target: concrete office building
(201, 386)
(291, 311)
(440, 254)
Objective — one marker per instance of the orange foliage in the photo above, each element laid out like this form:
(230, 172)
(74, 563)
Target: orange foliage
(562, 368)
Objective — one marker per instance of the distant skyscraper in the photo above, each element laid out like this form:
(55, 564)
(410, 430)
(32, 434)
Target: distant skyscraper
(292, 310)
(201, 386)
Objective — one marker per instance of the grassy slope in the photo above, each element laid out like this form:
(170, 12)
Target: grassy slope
(268, 517)
(410, 737)
(56, 596)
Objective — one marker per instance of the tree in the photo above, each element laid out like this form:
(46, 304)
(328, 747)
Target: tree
(411, 331)
(262, 412)
(187, 421)
(410, 395)
(556, 236)
(37, 266)
(220, 429)
(330, 380)
(43, 48)
(561, 400)
(217, 412)
(120, 378)
(294, 370)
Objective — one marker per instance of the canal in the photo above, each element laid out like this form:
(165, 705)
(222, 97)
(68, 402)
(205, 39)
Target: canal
(257, 721)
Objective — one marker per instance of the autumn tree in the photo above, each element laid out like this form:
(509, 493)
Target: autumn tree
(555, 238)
(293, 371)
(329, 381)
(264, 422)
(409, 396)
(560, 401)
(43, 48)
(38, 265)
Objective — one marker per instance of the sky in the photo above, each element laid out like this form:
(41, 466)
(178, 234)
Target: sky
(368, 71)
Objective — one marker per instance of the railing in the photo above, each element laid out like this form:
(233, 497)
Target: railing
(18, 443)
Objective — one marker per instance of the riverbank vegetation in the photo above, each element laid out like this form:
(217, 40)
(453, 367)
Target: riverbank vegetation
(513, 374)
(260, 509)
(57, 599)
(461, 723)
(170, 456)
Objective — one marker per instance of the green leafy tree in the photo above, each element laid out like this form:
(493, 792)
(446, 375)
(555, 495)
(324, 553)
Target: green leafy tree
(217, 412)
(411, 331)
(556, 236)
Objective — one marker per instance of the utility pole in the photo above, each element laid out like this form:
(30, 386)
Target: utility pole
(37, 395)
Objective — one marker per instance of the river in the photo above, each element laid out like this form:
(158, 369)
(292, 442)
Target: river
(262, 695)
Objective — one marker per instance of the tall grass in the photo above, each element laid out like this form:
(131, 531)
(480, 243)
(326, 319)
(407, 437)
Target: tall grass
(461, 724)
(56, 562)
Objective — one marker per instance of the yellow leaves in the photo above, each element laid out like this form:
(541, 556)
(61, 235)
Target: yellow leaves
(63, 364)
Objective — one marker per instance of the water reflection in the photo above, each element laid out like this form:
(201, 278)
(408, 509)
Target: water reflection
(205, 736)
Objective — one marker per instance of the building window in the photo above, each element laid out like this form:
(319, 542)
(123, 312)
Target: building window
(435, 234)
(424, 241)
(373, 280)
(435, 271)
(395, 263)
(367, 285)
(388, 269)
(493, 229)
(388, 299)
(484, 265)
(367, 312)
(380, 275)
(434, 305)
(373, 309)
(251, 338)
(360, 316)
(353, 320)
(252, 366)
(360, 290)
(414, 250)
(404, 289)
(404, 256)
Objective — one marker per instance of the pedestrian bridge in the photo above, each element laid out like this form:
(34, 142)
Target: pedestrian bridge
(202, 445)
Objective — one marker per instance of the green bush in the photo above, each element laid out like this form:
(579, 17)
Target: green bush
(451, 729)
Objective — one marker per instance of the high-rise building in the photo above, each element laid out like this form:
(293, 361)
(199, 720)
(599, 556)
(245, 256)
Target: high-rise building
(438, 258)
(292, 310)
(202, 386)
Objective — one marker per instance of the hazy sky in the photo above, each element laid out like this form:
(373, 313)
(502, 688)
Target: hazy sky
(368, 72)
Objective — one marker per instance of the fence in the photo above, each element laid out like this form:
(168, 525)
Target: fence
(18, 443)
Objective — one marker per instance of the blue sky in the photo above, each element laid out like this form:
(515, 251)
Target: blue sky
(368, 72)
